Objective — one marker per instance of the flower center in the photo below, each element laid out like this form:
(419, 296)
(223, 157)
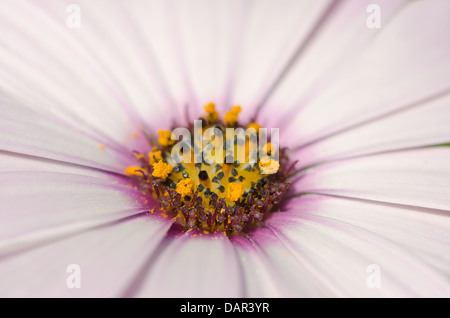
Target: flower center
(223, 179)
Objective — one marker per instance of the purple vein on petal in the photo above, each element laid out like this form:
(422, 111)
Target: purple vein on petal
(371, 201)
(297, 172)
(249, 246)
(135, 285)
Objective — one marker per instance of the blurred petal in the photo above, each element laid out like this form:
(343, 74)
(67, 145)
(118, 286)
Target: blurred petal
(108, 258)
(201, 266)
(418, 178)
(342, 254)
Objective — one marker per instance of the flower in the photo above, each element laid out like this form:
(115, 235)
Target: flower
(363, 111)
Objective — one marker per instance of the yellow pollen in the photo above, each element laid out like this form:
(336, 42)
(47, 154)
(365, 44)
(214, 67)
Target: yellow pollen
(154, 156)
(255, 126)
(232, 116)
(210, 108)
(133, 171)
(267, 148)
(185, 187)
(268, 166)
(101, 147)
(234, 191)
(139, 156)
(161, 170)
(213, 116)
(164, 138)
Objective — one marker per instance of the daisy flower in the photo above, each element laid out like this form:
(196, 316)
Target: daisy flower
(353, 201)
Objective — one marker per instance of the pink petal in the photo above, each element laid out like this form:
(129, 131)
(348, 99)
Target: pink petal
(45, 203)
(341, 253)
(405, 62)
(201, 266)
(103, 84)
(109, 258)
(417, 178)
(419, 126)
(271, 270)
(423, 232)
(273, 33)
(29, 132)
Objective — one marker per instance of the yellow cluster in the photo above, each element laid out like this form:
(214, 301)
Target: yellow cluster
(268, 166)
(212, 116)
(255, 126)
(133, 171)
(232, 116)
(185, 187)
(154, 156)
(234, 191)
(164, 138)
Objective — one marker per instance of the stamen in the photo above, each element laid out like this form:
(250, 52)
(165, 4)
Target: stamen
(134, 171)
(164, 138)
(255, 126)
(268, 165)
(212, 116)
(185, 187)
(154, 156)
(231, 117)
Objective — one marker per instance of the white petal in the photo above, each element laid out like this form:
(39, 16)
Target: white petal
(417, 178)
(43, 203)
(97, 77)
(274, 31)
(423, 232)
(108, 257)
(352, 261)
(271, 270)
(200, 266)
(415, 127)
(28, 132)
(405, 62)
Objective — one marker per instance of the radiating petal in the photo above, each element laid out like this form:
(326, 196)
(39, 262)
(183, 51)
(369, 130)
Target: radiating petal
(98, 76)
(405, 62)
(201, 266)
(39, 203)
(352, 261)
(415, 127)
(274, 31)
(25, 131)
(417, 178)
(108, 258)
(14, 162)
(423, 232)
(271, 270)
